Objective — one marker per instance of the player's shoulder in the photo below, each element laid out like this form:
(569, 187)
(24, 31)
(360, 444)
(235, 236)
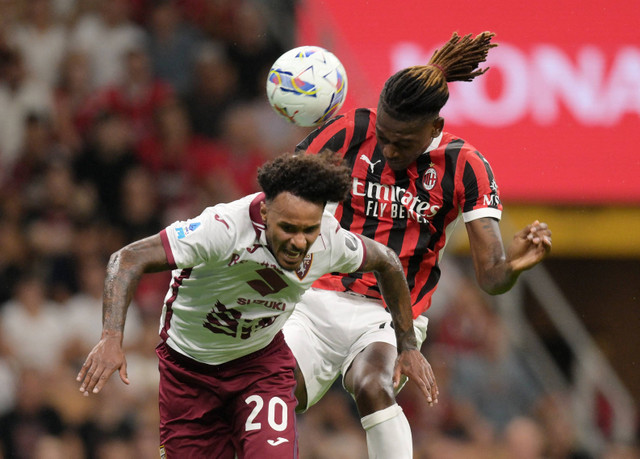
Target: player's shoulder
(450, 140)
(329, 232)
(340, 133)
(232, 209)
(334, 236)
(329, 224)
(351, 119)
(238, 219)
(454, 145)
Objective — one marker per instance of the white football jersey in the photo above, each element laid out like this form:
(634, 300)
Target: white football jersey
(228, 296)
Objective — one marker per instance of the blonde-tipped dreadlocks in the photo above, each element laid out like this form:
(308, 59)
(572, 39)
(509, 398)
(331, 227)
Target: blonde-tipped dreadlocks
(421, 91)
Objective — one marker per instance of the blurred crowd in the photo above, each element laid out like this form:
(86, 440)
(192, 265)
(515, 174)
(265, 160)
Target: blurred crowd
(118, 117)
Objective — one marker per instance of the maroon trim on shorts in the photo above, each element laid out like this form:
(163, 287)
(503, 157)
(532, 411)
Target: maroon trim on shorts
(194, 365)
(175, 285)
(167, 248)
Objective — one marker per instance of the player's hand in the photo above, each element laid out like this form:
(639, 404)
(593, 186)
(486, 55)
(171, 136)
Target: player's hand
(103, 360)
(414, 365)
(529, 246)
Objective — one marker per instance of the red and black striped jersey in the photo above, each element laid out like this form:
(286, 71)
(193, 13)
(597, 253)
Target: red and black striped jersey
(409, 211)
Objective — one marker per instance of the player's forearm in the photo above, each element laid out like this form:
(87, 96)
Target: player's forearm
(395, 291)
(387, 267)
(496, 275)
(119, 287)
(497, 278)
(493, 269)
(124, 270)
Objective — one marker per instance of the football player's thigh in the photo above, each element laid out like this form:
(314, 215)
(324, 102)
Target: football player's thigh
(264, 416)
(206, 438)
(192, 423)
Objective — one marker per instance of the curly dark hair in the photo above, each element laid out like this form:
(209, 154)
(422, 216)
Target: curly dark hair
(314, 178)
(421, 91)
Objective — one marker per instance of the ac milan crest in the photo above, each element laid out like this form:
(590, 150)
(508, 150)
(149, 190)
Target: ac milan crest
(429, 179)
(303, 269)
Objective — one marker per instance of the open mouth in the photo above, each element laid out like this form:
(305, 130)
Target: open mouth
(292, 256)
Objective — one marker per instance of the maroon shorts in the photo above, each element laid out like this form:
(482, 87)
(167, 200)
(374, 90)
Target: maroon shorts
(245, 407)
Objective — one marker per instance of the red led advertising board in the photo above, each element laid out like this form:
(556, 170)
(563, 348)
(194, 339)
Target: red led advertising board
(558, 113)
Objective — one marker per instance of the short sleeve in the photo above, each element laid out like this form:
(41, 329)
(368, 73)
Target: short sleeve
(208, 237)
(480, 195)
(348, 251)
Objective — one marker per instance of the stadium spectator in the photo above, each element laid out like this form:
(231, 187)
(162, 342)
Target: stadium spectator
(42, 42)
(491, 386)
(213, 91)
(55, 208)
(106, 35)
(138, 96)
(172, 45)
(524, 439)
(15, 253)
(138, 213)
(33, 328)
(31, 418)
(21, 96)
(74, 103)
(39, 149)
(252, 48)
(247, 134)
(83, 312)
(104, 161)
(559, 429)
(182, 159)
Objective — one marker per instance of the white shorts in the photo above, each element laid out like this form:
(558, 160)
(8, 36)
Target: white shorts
(327, 329)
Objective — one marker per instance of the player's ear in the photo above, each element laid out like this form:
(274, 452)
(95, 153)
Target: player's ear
(263, 212)
(438, 126)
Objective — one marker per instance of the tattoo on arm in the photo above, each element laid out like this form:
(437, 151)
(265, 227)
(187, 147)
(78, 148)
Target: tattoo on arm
(124, 270)
(120, 284)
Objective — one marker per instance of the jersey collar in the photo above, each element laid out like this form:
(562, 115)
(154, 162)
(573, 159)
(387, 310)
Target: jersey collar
(256, 218)
(435, 143)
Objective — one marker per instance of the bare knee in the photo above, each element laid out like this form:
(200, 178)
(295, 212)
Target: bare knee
(373, 389)
(369, 379)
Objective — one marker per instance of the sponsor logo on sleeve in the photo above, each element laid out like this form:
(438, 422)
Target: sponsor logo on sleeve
(184, 231)
(350, 242)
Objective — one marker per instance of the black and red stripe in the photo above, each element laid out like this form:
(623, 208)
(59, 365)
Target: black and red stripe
(463, 179)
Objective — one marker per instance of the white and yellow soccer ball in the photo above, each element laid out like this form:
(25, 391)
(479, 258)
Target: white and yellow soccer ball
(307, 85)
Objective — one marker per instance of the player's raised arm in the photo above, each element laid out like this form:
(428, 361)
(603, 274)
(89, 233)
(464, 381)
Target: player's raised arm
(497, 270)
(395, 291)
(123, 273)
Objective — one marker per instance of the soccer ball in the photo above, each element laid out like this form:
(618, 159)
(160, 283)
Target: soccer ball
(307, 85)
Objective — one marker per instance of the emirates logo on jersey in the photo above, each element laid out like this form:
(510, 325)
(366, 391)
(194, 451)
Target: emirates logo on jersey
(429, 179)
(303, 269)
